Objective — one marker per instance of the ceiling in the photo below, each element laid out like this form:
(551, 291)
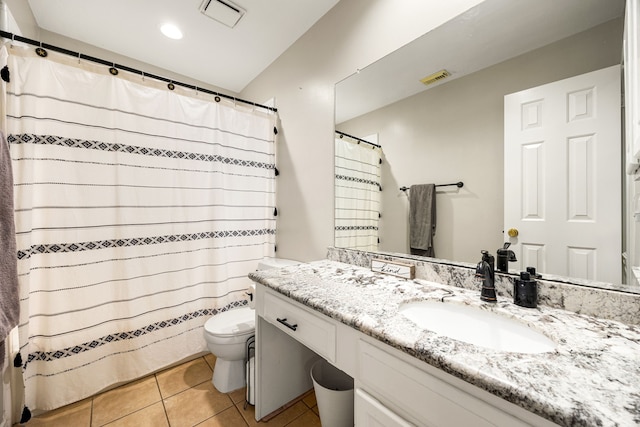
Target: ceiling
(229, 58)
(490, 33)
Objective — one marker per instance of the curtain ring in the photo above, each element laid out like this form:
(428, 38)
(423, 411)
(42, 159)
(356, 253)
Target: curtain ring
(142, 75)
(196, 90)
(113, 70)
(79, 54)
(41, 52)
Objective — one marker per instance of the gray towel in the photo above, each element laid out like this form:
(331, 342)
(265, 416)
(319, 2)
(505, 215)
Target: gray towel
(9, 302)
(422, 219)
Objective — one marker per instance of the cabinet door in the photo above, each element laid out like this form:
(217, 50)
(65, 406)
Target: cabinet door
(371, 413)
(421, 397)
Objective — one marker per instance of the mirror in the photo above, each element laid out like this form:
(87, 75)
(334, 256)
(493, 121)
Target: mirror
(453, 130)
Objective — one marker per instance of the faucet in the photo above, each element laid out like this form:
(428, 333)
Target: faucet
(485, 272)
(505, 255)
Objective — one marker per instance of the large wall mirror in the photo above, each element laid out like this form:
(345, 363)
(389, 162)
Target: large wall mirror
(453, 130)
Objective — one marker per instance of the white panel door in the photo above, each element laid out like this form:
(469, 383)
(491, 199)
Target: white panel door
(562, 176)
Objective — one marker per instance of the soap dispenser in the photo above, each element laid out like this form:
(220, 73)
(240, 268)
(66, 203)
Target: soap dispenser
(525, 291)
(505, 255)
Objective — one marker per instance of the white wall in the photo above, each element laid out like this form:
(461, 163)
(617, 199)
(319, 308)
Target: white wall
(22, 22)
(350, 36)
(454, 132)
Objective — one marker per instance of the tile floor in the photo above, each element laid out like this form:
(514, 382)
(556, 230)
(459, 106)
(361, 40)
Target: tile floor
(178, 396)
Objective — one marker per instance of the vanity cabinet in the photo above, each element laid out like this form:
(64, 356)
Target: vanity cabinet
(392, 388)
(314, 331)
(370, 412)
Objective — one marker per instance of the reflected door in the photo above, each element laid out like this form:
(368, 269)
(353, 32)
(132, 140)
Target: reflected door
(562, 192)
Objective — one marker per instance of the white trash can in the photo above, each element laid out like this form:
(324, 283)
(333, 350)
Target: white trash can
(334, 394)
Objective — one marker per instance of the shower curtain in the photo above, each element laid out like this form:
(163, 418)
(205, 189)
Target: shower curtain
(357, 194)
(139, 213)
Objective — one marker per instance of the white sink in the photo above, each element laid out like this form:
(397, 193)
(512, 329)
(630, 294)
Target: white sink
(476, 326)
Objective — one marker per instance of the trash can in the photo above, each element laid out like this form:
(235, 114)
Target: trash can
(334, 394)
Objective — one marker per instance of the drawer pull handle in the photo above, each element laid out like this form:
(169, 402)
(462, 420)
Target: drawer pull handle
(287, 324)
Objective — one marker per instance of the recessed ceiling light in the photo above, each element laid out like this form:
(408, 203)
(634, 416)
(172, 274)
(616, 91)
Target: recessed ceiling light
(171, 31)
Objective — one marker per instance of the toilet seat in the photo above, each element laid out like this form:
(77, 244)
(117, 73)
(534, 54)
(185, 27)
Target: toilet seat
(232, 323)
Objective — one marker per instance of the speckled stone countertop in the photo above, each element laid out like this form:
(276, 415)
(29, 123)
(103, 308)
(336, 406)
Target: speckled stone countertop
(591, 379)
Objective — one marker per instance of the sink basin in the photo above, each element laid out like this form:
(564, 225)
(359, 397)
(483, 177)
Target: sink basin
(476, 326)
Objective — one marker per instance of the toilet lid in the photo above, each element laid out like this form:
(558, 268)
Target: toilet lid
(238, 321)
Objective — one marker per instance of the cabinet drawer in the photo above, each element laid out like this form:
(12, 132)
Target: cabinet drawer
(309, 329)
(371, 413)
(421, 396)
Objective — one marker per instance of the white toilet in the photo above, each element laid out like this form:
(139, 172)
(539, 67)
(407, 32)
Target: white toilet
(227, 334)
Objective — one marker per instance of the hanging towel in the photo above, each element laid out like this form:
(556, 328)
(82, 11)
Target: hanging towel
(9, 303)
(422, 219)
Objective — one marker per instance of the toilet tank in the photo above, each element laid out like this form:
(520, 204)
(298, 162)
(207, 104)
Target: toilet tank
(268, 263)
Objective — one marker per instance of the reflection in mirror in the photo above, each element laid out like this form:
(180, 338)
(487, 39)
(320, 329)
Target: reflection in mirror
(453, 130)
(357, 191)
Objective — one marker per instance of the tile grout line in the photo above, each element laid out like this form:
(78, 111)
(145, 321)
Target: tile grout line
(91, 412)
(164, 408)
(236, 406)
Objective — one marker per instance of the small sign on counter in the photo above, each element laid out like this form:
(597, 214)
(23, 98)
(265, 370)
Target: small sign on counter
(406, 271)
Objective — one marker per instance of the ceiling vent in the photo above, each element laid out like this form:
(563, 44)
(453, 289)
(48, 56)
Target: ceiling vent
(435, 77)
(222, 11)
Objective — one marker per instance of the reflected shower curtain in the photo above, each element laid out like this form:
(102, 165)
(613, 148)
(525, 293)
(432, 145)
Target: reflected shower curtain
(357, 194)
(139, 214)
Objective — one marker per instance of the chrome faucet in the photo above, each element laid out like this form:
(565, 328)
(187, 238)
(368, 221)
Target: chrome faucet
(485, 271)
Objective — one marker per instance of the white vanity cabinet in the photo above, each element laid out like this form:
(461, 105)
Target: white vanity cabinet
(392, 387)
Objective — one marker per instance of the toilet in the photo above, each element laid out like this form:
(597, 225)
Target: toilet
(227, 333)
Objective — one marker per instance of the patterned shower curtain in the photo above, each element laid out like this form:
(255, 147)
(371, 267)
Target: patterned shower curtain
(139, 213)
(357, 194)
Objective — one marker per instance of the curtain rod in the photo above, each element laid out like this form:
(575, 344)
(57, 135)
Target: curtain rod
(357, 139)
(15, 37)
(459, 184)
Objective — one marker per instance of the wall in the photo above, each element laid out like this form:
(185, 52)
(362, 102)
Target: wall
(454, 132)
(350, 36)
(22, 22)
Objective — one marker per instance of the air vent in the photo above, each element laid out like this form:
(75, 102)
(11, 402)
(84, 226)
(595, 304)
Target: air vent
(222, 11)
(435, 77)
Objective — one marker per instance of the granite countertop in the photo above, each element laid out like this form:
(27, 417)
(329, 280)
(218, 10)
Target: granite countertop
(592, 378)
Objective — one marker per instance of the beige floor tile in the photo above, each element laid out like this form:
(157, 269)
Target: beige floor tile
(152, 416)
(308, 419)
(238, 396)
(195, 405)
(74, 415)
(211, 360)
(279, 420)
(181, 377)
(227, 418)
(310, 399)
(124, 400)
(248, 414)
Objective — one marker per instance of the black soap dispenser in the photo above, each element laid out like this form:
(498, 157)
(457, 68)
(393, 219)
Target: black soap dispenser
(525, 291)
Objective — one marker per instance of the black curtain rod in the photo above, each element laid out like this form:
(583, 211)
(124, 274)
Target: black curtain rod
(170, 82)
(342, 134)
(459, 184)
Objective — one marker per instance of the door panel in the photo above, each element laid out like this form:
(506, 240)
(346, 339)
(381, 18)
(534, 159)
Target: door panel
(563, 176)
